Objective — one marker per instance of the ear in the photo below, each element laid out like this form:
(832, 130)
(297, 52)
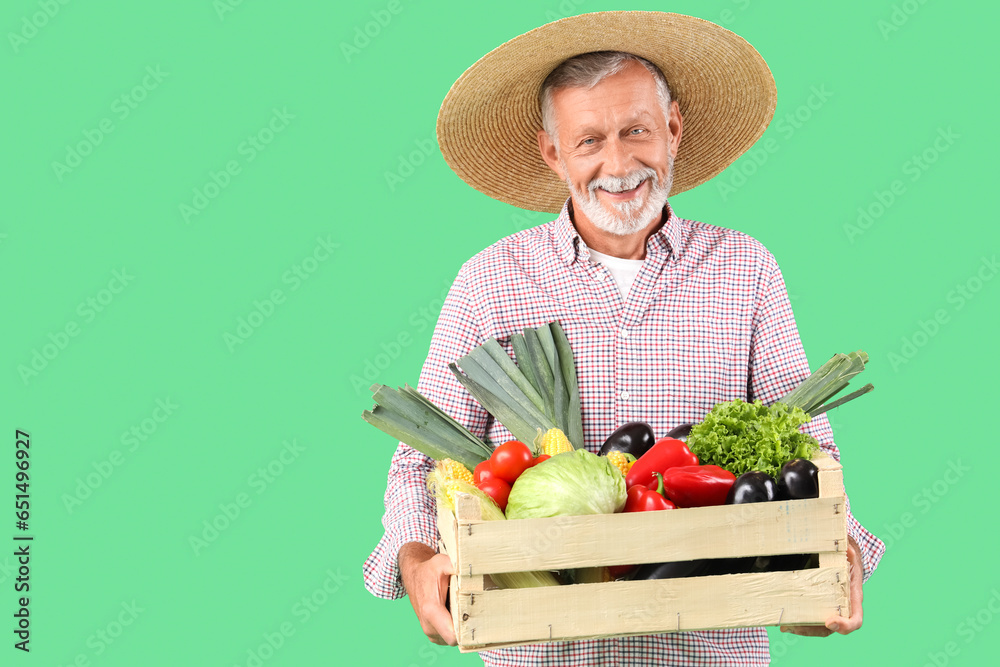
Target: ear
(548, 150)
(675, 125)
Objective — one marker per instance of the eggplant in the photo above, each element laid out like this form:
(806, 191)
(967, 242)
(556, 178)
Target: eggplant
(633, 438)
(798, 479)
(750, 487)
(671, 570)
(680, 432)
(790, 562)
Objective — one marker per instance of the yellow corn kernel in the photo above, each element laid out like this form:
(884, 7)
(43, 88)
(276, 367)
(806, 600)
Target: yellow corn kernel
(620, 461)
(453, 470)
(555, 442)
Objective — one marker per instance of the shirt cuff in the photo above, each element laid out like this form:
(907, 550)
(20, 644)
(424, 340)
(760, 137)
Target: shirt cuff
(381, 569)
(872, 548)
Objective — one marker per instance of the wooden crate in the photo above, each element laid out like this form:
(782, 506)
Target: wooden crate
(486, 617)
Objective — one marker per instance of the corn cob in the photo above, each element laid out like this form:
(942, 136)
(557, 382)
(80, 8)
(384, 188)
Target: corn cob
(453, 477)
(553, 442)
(447, 488)
(621, 460)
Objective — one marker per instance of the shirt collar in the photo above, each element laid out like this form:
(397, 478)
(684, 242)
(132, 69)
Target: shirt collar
(570, 245)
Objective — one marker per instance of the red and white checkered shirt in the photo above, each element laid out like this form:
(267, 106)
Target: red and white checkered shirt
(707, 320)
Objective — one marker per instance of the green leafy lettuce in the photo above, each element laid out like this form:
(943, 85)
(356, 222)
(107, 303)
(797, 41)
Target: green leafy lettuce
(741, 437)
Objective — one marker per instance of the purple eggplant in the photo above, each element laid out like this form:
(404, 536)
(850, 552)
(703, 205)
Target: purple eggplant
(798, 479)
(750, 487)
(633, 438)
(671, 570)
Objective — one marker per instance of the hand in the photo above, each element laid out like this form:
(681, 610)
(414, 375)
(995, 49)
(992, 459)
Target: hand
(837, 623)
(426, 576)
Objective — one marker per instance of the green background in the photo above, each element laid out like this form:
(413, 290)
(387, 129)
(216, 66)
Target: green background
(230, 72)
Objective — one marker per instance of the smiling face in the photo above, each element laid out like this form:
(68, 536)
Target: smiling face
(615, 150)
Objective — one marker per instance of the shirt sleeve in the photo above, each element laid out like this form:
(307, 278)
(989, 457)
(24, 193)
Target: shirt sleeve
(410, 512)
(777, 364)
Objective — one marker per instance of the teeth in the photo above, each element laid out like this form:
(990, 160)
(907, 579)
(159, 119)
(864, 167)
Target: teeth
(623, 189)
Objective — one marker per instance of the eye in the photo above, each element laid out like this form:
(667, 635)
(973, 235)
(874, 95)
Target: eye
(637, 130)
(588, 141)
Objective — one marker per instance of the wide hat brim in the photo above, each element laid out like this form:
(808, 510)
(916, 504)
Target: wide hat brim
(488, 123)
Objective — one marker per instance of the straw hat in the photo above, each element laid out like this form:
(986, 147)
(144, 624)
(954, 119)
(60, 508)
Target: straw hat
(488, 121)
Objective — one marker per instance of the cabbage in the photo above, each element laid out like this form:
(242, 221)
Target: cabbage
(568, 484)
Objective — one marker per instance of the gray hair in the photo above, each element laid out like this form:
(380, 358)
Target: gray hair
(586, 71)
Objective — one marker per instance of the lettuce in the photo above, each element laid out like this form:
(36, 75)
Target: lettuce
(568, 484)
(741, 437)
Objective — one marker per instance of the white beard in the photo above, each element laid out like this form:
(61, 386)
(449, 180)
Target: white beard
(628, 217)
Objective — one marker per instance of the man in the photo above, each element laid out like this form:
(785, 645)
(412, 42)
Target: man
(666, 316)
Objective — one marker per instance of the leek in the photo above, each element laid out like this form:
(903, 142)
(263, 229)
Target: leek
(407, 415)
(539, 392)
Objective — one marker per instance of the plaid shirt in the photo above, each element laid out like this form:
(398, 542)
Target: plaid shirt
(707, 320)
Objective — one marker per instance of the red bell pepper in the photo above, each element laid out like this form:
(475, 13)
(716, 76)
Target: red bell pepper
(643, 499)
(698, 486)
(648, 499)
(665, 454)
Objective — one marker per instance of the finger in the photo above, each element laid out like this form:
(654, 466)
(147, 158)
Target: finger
(442, 564)
(807, 630)
(439, 617)
(842, 625)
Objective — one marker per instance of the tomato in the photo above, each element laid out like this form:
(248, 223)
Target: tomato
(482, 472)
(510, 459)
(540, 458)
(497, 489)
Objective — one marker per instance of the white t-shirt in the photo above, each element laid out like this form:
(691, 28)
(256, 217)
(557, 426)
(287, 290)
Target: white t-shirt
(623, 271)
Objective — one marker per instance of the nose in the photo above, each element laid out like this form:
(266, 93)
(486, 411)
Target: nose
(618, 160)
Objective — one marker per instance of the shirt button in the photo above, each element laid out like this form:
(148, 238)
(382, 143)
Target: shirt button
(623, 333)
(600, 276)
(625, 395)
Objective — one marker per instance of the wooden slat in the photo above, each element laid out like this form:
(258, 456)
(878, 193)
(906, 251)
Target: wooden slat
(447, 526)
(831, 484)
(797, 526)
(824, 461)
(513, 617)
(467, 512)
